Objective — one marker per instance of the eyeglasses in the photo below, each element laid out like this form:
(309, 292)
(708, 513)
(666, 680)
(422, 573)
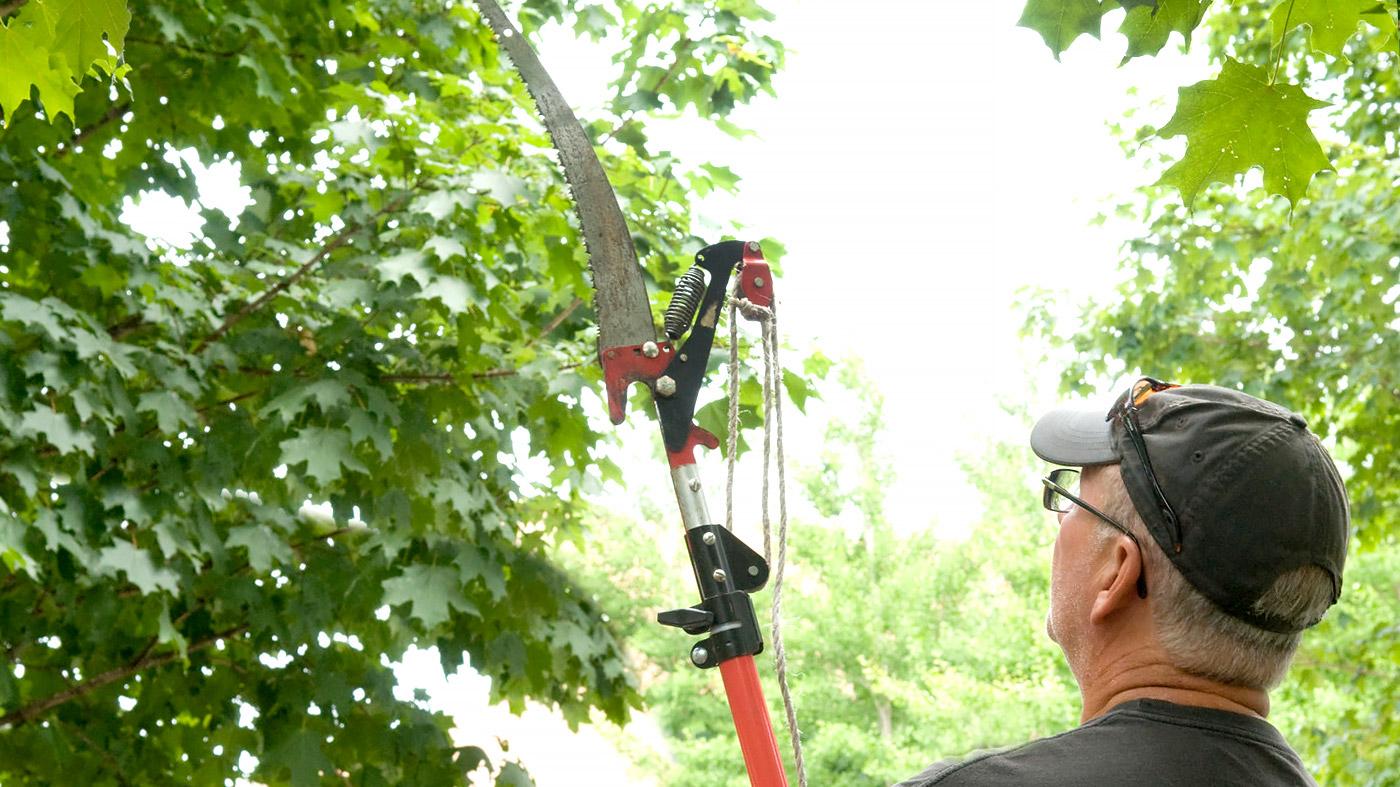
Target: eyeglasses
(1127, 409)
(1062, 490)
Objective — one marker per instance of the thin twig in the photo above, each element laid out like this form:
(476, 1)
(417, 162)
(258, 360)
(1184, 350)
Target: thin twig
(120, 330)
(116, 111)
(442, 377)
(447, 378)
(173, 45)
(554, 323)
(340, 239)
(140, 663)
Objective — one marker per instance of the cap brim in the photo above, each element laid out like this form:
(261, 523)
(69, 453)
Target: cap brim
(1076, 438)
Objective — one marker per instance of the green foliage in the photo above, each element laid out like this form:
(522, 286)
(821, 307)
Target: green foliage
(239, 478)
(1238, 121)
(51, 45)
(1060, 22)
(1297, 306)
(1215, 115)
(1330, 23)
(1148, 26)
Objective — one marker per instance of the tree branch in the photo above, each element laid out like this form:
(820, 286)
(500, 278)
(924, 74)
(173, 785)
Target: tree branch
(121, 330)
(142, 662)
(340, 239)
(555, 323)
(447, 378)
(173, 45)
(116, 111)
(442, 377)
(11, 7)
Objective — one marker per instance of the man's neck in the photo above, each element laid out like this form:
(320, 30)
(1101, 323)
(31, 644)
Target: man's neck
(1162, 682)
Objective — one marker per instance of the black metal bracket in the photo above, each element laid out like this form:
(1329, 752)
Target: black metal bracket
(726, 571)
(687, 367)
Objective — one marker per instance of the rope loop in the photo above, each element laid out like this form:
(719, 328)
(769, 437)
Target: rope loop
(772, 438)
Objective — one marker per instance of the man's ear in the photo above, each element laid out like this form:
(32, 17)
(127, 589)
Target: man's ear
(1116, 579)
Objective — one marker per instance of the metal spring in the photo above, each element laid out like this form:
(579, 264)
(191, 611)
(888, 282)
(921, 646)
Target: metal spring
(690, 289)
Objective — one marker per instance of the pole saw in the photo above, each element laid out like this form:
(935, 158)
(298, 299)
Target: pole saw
(726, 570)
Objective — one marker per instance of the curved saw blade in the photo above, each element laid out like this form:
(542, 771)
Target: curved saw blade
(624, 314)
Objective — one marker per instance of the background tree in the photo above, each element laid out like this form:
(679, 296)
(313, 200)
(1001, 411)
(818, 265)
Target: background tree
(1298, 305)
(239, 477)
(1271, 53)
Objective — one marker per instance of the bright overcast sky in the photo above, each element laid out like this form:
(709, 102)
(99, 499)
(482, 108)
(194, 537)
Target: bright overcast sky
(922, 161)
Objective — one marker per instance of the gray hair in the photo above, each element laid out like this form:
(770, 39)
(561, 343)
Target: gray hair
(1200, 638)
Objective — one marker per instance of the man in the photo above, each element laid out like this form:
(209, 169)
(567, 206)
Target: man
(1205, 532)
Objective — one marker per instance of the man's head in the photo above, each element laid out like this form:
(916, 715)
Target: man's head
(1238, 524)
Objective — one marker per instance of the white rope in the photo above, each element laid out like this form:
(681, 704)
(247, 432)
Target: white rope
(772, 427)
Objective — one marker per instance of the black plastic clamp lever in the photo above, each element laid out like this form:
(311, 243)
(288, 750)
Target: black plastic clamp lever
(727, 571)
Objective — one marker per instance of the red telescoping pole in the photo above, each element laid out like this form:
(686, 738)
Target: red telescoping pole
(726, 569)
(752, 722)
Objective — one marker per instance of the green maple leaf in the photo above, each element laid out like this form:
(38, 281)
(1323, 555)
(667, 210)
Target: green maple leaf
(301, 754)
(364, 426)
(512, 775)
(328, 394)
(407, 263)
(80, 26)
(324, 451)
(430, 589)
(35, 313)
(445, 248)
(454, 293)
(140, 571)
(1060, 22)
(265, 549)
(171, 411)
(57, 429)
(30, 60)
(1147, 27)
(1331, 22)
(1239, 121)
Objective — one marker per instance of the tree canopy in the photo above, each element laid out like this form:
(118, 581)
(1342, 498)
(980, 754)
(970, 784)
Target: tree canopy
(1256, 112)
(240, 476)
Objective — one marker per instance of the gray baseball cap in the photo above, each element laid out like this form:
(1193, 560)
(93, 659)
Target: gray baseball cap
(1234, 489)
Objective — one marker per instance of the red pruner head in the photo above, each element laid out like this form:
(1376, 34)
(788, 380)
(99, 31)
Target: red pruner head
(755, 279)
(636, 363)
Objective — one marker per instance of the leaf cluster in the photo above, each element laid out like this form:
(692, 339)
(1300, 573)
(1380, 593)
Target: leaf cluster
(1250, 115)
(241, 476)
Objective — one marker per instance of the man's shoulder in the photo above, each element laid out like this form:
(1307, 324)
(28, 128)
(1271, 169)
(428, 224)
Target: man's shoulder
(986, 766)
(1172, 742)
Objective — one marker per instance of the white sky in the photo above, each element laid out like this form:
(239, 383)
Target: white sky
(922, 162)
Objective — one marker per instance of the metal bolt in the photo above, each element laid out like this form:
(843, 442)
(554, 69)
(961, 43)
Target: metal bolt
(709, 539)
(720, 575)
(665, 385)
(753, 245)
(758, 281)
(650, 350)
(753, 571)
(684, 357)
(695, 486)
(698, 655)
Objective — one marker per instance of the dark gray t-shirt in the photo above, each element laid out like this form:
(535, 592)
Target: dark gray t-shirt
(1141, 743)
